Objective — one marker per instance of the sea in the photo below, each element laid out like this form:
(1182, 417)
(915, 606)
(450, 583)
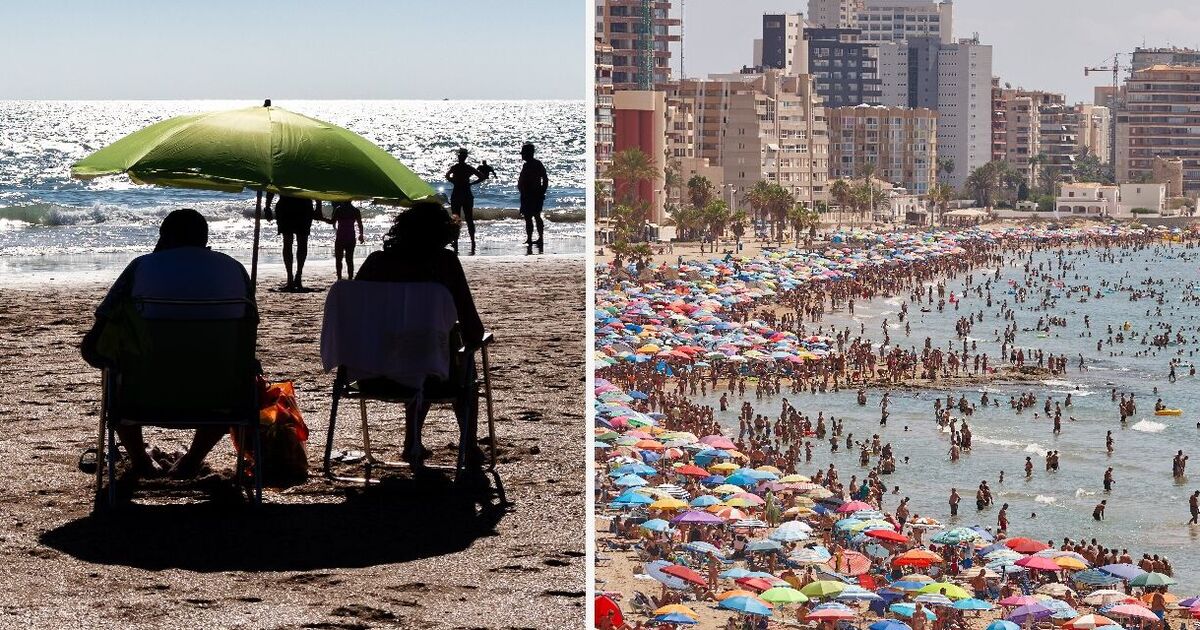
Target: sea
(54, 226)
(1147, 509)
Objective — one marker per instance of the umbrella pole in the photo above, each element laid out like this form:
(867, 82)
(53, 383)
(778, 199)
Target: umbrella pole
(254, 255)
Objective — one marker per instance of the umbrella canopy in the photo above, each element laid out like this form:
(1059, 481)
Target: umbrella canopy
(1088, 622)
(906, 610)
(1123, 570)
(972, 604)
(953, 591)
(888, 535)
(1133, 610)
(783, 595)
(1025, 545)
(1152, 579)
(1038, 563)
(267, 149)
(1029, 612)
(823, 588)
(889, 624)
(745, 605)
(1104, 597)
(914, 557)
(606, 606)
(678, 619)
(685, 573)
(1001, 624)
(830, 614)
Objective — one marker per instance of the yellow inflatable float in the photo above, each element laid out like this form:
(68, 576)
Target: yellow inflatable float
(1168, 412)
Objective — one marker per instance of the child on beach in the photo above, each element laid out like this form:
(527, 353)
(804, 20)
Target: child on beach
(344, 217)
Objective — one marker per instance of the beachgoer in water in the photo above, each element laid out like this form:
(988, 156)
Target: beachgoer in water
(532, 184)
(345, 217)
(294, 216)
(462, 200)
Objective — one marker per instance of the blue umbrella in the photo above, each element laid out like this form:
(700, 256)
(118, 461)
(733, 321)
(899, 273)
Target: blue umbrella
(657, 525)
(889, 624)
(635, 469)
(1001, 624)
(713, 480)
(678, 619)
(705, 500)
(1123, 570)
(638, 395)
(764, 545)
(972, 604)
(630, 481)
(906, 610)
(745, 605)
(734, 573)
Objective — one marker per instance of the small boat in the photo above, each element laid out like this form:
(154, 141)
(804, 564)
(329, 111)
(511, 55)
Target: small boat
(1168, 412)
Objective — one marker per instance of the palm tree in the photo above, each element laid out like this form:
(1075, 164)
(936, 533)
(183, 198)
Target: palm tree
(803, 219)
(700, 191)
(945, 165)
(939, 195)
(841, 194)
(628, 170)
(716, 216)
(737, 225)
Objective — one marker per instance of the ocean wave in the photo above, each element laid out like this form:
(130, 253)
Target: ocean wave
(1041, 498)
(1035, 448)
(49, 214)
(1149, 426)
(1080, 493)
(998, 442)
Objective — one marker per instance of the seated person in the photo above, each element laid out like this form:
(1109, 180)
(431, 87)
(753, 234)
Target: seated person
(414, 250)
(181, 267)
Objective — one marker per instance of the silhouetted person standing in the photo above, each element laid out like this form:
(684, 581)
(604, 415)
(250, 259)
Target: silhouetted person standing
(485, 170)
(462, 200)
(294, 217)
(532, 184)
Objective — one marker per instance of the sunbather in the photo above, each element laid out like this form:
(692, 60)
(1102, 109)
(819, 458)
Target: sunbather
(414, 250)
(181, 267)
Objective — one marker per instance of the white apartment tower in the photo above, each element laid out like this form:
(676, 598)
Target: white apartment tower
(834, 13)
(886, 20)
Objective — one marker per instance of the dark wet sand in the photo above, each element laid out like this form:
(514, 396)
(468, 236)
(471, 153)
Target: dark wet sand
(417, 553)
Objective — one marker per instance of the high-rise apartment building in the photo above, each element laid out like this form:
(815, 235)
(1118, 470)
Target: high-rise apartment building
(900, 143)
(897, 20)
(640, 33)
(761, 127)
(783, 45)
(846, 70)
(1041, 135)
(953, 79)
(604, 111)
(1166, 56)
(1161, 118)
(834, 13)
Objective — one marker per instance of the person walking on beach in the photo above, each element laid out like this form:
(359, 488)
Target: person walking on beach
(954, 500)
(345, 217)
(293, 216)
(1194, 506)
(532, 183)
(1108, 479)
(1002, 519)
(462, 200)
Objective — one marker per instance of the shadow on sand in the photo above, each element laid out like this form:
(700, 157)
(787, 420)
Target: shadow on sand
(398, 520)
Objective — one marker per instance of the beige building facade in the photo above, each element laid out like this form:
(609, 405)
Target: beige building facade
(900, 143)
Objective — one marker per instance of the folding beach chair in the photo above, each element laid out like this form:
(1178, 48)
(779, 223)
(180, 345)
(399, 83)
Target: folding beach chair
(183, 364)
(397, 342)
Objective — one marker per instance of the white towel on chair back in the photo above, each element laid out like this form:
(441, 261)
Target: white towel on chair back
(395, 330)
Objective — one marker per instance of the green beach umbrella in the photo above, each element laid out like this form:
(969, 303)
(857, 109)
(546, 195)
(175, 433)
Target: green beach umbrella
(783, 595)
(265, 149)
(1152, 579)
(953, 591)
(823, 588)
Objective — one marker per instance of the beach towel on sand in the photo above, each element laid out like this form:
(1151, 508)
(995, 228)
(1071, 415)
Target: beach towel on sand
(394, 330)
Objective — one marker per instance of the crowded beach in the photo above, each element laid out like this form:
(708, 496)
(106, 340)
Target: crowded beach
(731, 525)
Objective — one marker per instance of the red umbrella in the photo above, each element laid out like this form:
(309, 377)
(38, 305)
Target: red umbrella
(604, 606)
(718, 441)
(1025, 545)
(854, 506)
(889, 535)
(754, 583)
(685, 573)
(1038, 563)
(849, 563)
(692, 470)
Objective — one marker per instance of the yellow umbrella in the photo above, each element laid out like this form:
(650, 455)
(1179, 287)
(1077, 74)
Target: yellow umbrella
(676, 608)
(795, 479)
(724, 467)
(771, 469)
(1068, 562)
(740, 502)
(668, 504)
(726, 488)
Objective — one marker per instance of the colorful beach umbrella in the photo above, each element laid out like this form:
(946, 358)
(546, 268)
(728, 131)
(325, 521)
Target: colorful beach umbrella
(783, 595)
(746, 606)
(1088, 622)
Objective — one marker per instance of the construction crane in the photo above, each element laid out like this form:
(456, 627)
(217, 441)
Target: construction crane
(1115, 103)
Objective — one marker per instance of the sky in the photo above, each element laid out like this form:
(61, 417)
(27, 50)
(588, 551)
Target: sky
(1036, 44)
(334, 49)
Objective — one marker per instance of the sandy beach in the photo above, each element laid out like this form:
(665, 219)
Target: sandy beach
(407, 553)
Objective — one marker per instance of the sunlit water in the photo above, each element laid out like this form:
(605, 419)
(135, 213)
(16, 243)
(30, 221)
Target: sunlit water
(1147, 510)
(49, 221)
